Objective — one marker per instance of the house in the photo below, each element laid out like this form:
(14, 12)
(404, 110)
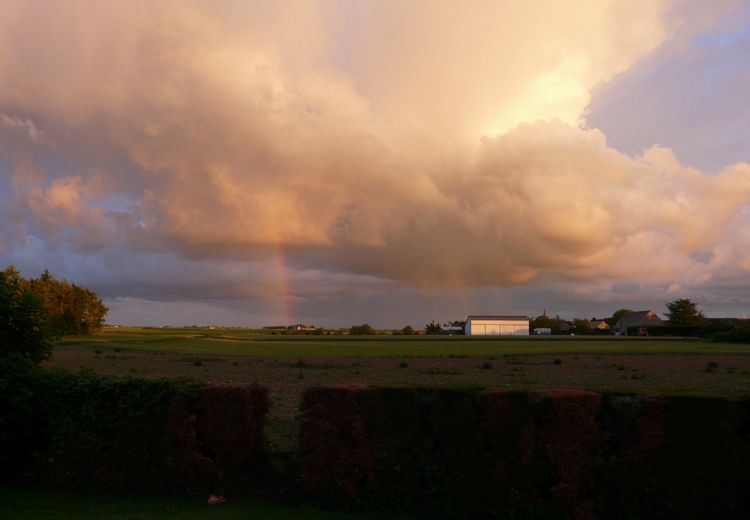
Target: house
(636, 323)
(301, 327)
(599, 325)
(497, 326)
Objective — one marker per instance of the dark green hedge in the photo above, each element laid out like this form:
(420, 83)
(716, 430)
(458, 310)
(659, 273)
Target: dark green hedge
(134, 434)
(462, 453)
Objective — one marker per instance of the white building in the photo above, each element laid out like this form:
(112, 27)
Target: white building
(497, 326)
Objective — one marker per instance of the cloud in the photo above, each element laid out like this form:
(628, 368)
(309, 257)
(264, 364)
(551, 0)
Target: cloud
(418, 142)
(24, 125)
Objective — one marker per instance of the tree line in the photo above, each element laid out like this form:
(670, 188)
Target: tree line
(64, 307)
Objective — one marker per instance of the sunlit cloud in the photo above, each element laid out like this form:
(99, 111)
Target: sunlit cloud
(418, 144)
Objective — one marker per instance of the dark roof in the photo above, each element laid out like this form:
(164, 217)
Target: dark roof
(497, 318)
(640, 318)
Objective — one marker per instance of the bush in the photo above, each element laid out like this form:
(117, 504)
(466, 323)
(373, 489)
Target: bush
(134, 434)
(736, 335)
(361, 330)
(460, 453)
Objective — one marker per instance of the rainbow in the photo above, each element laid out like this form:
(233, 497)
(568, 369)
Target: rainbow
(282, 280)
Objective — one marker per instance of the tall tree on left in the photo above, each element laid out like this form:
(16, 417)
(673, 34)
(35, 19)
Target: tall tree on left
(25, 333)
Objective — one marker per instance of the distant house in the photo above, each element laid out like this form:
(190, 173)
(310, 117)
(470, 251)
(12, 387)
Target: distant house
(636, 322)
(599, 325)
(497, 326)
(301, 327)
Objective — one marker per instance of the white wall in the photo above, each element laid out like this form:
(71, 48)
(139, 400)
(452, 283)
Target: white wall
(497, 328)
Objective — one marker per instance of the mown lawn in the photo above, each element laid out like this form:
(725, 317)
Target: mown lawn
(31, 504)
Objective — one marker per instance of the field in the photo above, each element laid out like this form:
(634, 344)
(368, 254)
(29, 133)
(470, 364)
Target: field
(289, 364)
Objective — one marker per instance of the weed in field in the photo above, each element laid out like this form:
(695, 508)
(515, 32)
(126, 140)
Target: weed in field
(110, 356)
(557, 361)
(301, 375)
(457, 356)
(118, 350)
(403, 364)
(198, 363)
(711, 366)
(745, 373)
(636, 376)
(487, 365)
(235, 364)
(132, 370)
(98, 351)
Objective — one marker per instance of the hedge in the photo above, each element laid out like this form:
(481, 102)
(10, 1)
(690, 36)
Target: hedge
(453, 452)
(134, 434)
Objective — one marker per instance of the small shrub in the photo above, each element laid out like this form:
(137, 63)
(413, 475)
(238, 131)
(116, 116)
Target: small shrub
(98, 351)
(301, 375)
(403, 364)
(110, 356)
(557, 361)
(118, 350)
(486, 365)
(711, 366)
(198, 363)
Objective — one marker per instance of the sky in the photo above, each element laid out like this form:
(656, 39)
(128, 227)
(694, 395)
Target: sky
(253, 163)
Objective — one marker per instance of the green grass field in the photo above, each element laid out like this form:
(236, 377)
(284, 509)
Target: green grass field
(231, 342)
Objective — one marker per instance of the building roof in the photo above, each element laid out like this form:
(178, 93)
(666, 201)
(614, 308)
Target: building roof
(640, 318)
(599, 324)
(497, 318)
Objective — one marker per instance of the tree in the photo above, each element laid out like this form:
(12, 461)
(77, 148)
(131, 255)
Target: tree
(543, 322)
(408, 331)
(25, 334)
(616, 316)
(72, 309)
(433, 327)
(361, 330)
(684, 312)
(582, 326)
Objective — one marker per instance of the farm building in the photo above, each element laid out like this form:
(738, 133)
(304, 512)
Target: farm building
(636, 322)
(599, 325)
(497, 326)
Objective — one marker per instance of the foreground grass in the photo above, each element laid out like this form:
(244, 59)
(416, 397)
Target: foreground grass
(251, 343)
(22, 504)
